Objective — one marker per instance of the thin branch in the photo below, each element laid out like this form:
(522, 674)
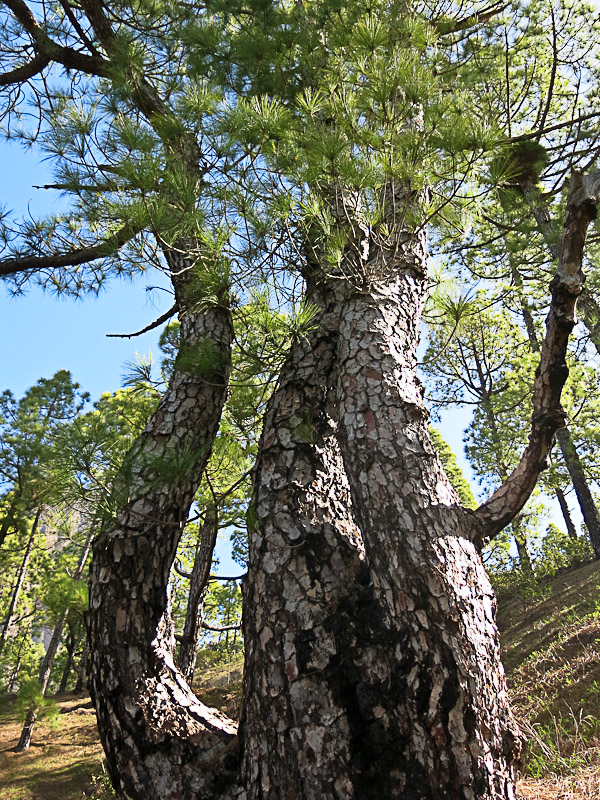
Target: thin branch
(72, 258)
(208, 627)
(163, 318)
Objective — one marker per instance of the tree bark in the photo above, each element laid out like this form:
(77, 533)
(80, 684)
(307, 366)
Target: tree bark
(439, 725)
(160, 741)
(64, 680)
(307, 598)
(189, 641)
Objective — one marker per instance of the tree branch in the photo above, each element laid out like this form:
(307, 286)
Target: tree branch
(72, 258)
(47, 48)
(163, 318)
(465, 23)
(39, 62)
(208, 627)
(552, 372)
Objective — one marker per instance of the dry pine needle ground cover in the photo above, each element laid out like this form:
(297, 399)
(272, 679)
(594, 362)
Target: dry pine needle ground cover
(552, 654)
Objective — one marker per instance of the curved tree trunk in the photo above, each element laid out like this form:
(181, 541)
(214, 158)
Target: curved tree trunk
(161, 742)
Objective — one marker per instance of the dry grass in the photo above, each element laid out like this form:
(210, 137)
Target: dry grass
(63, 762)
(584, 785)
(552, 652)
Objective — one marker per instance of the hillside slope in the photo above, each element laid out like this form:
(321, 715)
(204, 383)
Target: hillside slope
(552, 655)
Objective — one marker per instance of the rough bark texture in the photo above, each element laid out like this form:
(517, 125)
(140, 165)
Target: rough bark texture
(376, 677)
(439, 722)
(189, 640)
(161, 742)
(306, 597)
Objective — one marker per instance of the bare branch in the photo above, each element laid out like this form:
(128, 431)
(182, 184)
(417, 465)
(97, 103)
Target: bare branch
(23, 73)
(548, 415)
(208, 627)
(163, 318)
(47, 48)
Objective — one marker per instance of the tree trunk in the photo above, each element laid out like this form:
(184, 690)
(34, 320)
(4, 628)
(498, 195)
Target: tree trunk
(160, 741)
(307, 598)
(20, 580)
(83, 668)
(64, 680)
(189, 641)
(43, 679)
(582, 490)
(438, 721)
(357, 685)
(564, 507)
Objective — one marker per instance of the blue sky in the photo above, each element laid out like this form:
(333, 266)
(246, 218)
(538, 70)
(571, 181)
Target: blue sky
(42, 333)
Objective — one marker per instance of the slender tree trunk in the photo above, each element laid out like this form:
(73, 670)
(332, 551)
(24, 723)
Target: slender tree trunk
(82, 668)
(189, 641)
(15, 672)
(160, 741)
(20, 581)
(48, 660)
(582, 490)
(564, 507)
(43, 679)
(64, 680)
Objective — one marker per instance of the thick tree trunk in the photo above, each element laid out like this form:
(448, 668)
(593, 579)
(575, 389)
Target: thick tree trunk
(189, 640)
(20, 581)
(161, 742)
(439, 722)
(307, 599)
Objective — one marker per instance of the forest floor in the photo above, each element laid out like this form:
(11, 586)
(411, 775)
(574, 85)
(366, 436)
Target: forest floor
(551, 645)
